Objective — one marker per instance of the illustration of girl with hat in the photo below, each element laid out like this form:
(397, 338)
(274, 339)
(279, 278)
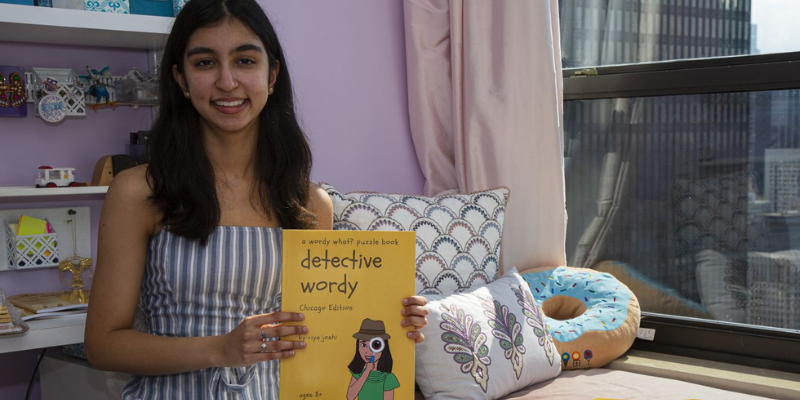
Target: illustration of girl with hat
(372, 364)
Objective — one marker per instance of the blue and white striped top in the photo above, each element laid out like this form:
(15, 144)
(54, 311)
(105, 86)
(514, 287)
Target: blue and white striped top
(191, 290)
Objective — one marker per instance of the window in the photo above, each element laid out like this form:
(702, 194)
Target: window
(682, 160)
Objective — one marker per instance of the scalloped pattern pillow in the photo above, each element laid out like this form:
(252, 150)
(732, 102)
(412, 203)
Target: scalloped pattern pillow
(458, 235)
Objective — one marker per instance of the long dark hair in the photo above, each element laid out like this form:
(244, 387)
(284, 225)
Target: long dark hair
(384, 363)
(181, 174)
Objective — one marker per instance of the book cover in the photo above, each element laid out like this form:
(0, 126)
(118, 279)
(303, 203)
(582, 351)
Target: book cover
(350, 286)
(51, 301)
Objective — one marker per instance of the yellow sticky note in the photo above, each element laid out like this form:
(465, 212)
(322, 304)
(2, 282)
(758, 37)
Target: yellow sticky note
(31, 226)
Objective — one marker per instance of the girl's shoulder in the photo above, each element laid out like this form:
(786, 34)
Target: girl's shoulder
(133, 182)
(320, 203)
(129, 195)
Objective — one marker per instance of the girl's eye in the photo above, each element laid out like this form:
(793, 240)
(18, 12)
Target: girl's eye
(247, 61)
(203, 63)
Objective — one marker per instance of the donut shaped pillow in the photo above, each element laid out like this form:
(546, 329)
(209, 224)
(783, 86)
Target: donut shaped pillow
(592, 317)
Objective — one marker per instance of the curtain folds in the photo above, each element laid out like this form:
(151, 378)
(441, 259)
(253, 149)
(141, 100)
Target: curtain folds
(485, 95)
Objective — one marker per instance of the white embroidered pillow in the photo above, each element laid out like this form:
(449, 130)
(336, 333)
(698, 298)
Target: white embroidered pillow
(458, 235)
(485, 343)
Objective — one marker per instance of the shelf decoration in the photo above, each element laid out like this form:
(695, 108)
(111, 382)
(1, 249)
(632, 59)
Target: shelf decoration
(177, 6)
(101, 87)
(26, 251)
(162, 8)
(12, 92)
(57, 93)
(137, 88)
(11, 322)
(68, 4)
(75, 264)
(108, 6)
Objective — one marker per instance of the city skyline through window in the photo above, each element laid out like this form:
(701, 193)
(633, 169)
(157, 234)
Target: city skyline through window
(693, 188)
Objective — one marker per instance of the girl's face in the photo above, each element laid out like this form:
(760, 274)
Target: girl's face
(227, 76)
(365, 352)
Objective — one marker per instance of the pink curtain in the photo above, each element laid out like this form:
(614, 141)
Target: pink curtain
(485, 92)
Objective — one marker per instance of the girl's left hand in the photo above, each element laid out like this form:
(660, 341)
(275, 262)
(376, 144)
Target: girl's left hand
(415, 310)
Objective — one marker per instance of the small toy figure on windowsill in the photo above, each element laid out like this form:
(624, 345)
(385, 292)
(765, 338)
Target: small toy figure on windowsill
(101, 88)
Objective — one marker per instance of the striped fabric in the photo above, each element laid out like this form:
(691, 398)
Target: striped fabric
(191, 290)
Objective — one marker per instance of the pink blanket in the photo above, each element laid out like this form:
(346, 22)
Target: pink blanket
(612, 384)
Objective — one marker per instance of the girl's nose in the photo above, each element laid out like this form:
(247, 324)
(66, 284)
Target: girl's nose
(227, 79)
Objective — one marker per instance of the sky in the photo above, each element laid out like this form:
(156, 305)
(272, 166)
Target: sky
(778, 28)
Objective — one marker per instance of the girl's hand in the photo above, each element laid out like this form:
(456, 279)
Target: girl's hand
(369, 367)
(415, 310)
(245, 345)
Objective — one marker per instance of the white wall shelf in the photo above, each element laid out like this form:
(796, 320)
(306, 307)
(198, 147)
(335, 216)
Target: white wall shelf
(19, 23)
(28, 191)
(46, 333)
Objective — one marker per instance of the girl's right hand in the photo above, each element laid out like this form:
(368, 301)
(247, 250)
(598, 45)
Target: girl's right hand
(369, 367)
(243, 346)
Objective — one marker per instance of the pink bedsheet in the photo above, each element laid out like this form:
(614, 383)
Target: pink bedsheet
(613, 384)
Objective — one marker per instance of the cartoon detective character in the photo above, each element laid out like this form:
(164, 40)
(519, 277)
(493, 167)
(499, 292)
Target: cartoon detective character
(372, 364)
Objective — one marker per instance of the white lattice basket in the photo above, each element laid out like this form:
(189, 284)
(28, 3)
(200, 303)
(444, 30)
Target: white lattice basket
(31, 251)
(68, 90)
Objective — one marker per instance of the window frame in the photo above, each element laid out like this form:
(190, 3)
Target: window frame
(752, 345)
(748, 73)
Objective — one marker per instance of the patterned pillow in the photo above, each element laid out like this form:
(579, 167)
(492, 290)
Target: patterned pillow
(721, 281)
(485, 343)
(708, 214)
(458, 235)
(774, 280)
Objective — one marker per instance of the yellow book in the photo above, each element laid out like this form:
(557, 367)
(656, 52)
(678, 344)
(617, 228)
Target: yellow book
(350, 286)
(31, 226)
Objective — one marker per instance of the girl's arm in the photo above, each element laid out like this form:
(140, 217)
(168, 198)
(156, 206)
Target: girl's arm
(357, 384)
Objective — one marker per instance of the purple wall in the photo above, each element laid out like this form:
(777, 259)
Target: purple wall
(348, 66)
(349, 78)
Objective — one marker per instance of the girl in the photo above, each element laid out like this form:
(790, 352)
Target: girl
(371, 368)
(194, 237)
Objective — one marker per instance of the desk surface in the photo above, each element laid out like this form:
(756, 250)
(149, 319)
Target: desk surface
(46, 333)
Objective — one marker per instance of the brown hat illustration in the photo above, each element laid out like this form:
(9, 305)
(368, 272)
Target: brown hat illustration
(370, 329)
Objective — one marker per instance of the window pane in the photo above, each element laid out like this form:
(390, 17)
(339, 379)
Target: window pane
(610, 32)
(694, 199)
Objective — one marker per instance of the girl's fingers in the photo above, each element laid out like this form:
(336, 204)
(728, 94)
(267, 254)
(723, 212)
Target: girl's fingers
(273, 346)
(283, 330)
(276, 318)
(277, 355)
(415, 310)
(416, 322)
(417, 336)
(415, 301)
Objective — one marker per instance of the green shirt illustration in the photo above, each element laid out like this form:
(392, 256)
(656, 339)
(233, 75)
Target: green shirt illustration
(377, 383)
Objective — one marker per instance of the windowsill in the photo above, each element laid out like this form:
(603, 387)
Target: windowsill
(736, 378)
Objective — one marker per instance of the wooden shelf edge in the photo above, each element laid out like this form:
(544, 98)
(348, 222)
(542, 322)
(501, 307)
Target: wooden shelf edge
(21, 23)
